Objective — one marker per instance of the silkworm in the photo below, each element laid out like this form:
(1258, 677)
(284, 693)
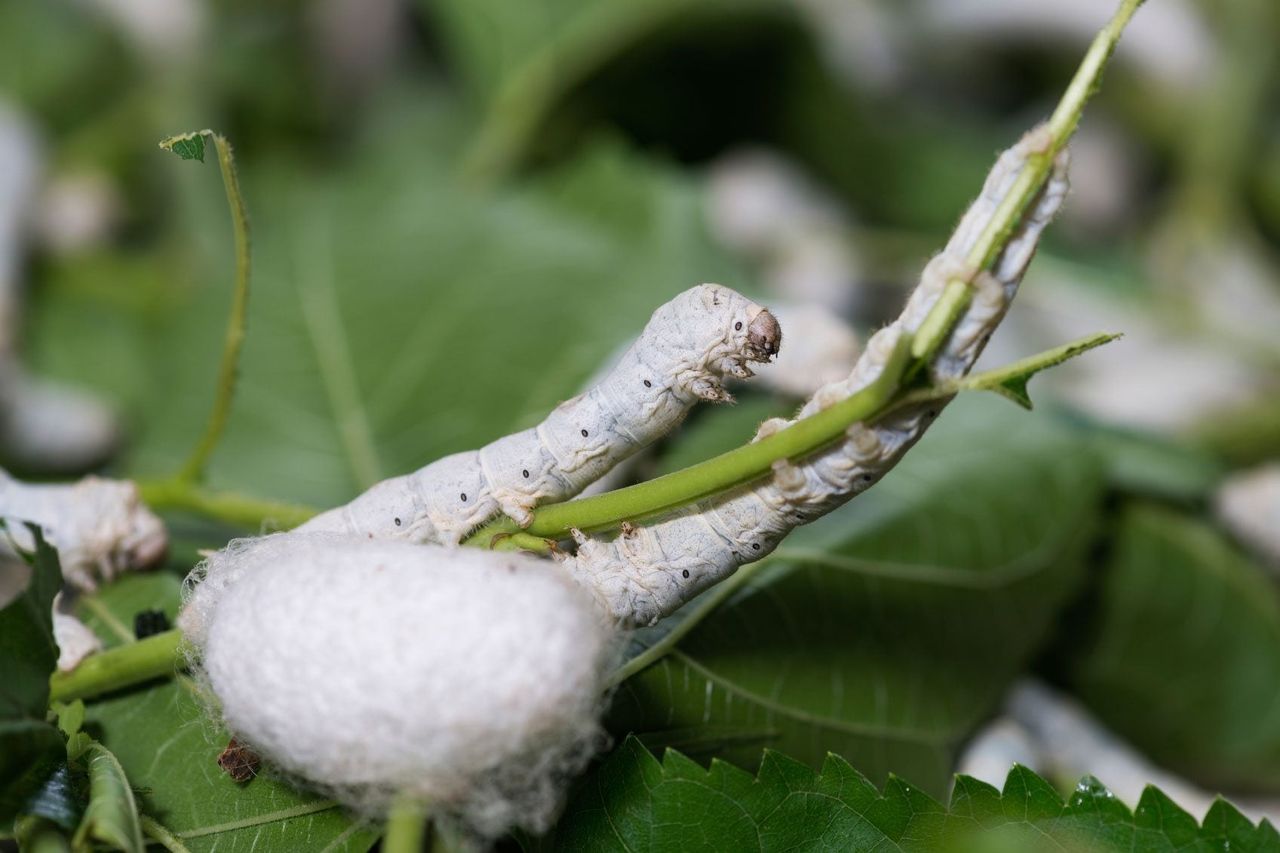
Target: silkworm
(100, 528)
(649, 571)
(688, 349)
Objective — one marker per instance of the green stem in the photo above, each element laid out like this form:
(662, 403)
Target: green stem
(123, 666)
(193, 469)
(161, 834)
(754, 461)
(230, 507)
(1061, 125)
(718, 595)
(406, 828)
(737, 467)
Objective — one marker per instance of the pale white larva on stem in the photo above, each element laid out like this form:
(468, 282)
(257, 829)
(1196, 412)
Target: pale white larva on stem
(689, 347)
(648, 571)
(470, 680)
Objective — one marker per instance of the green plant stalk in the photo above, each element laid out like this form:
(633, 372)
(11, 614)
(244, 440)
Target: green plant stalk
(161, 654)
(160, 834)
(406, 827)
(157, 656)
(734, 468)
(231, 507)
(193, 469)
(806, 436)
(1060, 127)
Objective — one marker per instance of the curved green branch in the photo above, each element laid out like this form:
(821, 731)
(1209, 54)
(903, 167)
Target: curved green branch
(190, 146)
(808, 435)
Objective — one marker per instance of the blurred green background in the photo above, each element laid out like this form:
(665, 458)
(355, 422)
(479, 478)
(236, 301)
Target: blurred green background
(460, 208)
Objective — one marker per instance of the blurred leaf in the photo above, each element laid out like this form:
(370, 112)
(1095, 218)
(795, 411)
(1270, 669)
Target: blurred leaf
(1146, 464)
(1182, 653)
(168, 744)
(634, 802)
(888, 630)
(396, 317)
(111, 816)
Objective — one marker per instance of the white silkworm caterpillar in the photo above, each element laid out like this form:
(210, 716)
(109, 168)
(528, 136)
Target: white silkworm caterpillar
(648, 571)
(690, 345)
(100, 528)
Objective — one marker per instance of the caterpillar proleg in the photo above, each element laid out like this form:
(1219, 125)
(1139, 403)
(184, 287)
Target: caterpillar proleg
(688, 349)
(647, 572)
(100, 528)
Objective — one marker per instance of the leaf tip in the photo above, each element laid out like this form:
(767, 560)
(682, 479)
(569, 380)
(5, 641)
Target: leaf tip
(188, 146)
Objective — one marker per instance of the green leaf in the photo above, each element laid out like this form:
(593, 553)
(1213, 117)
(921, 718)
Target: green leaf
(26, 637)
(1181, 653)
(396, 317)
(168, 743)
(1144, 464)
(111, 816)
(188, 146)
(887, 631)
(634, 802)
(1011, 380)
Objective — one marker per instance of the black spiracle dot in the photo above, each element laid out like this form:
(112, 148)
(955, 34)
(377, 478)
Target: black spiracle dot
(737, 327)
(685, 573)
(525, 472)
(397, 522)
(755, 546)
(584, 433)
(933, 413)
(866, 478)
(464, 497)
(648, 384)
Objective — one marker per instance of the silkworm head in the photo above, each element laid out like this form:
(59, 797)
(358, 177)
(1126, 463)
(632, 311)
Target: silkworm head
(764, 335)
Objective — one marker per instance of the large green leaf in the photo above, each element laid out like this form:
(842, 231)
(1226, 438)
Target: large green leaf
(695, 77)
(634, 802)
(888, 630)
(167, 742)
(1181, 652)
(395, 317)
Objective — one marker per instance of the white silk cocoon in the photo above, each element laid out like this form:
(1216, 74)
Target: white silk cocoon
(471, 680)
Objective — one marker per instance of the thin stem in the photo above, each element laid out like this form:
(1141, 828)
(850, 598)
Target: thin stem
(737, 467)
(123, 666)
(754, 461)
(406, 828)
(161, 655)
(193, 469)
(230, 507)
(161, 834)
(719, 594)
(1061, 125)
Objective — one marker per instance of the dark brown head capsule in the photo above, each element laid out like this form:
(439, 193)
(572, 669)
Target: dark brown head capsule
(764, 336)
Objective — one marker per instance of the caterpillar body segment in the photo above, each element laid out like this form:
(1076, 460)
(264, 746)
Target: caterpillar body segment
(687, 350)
(649, 572)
